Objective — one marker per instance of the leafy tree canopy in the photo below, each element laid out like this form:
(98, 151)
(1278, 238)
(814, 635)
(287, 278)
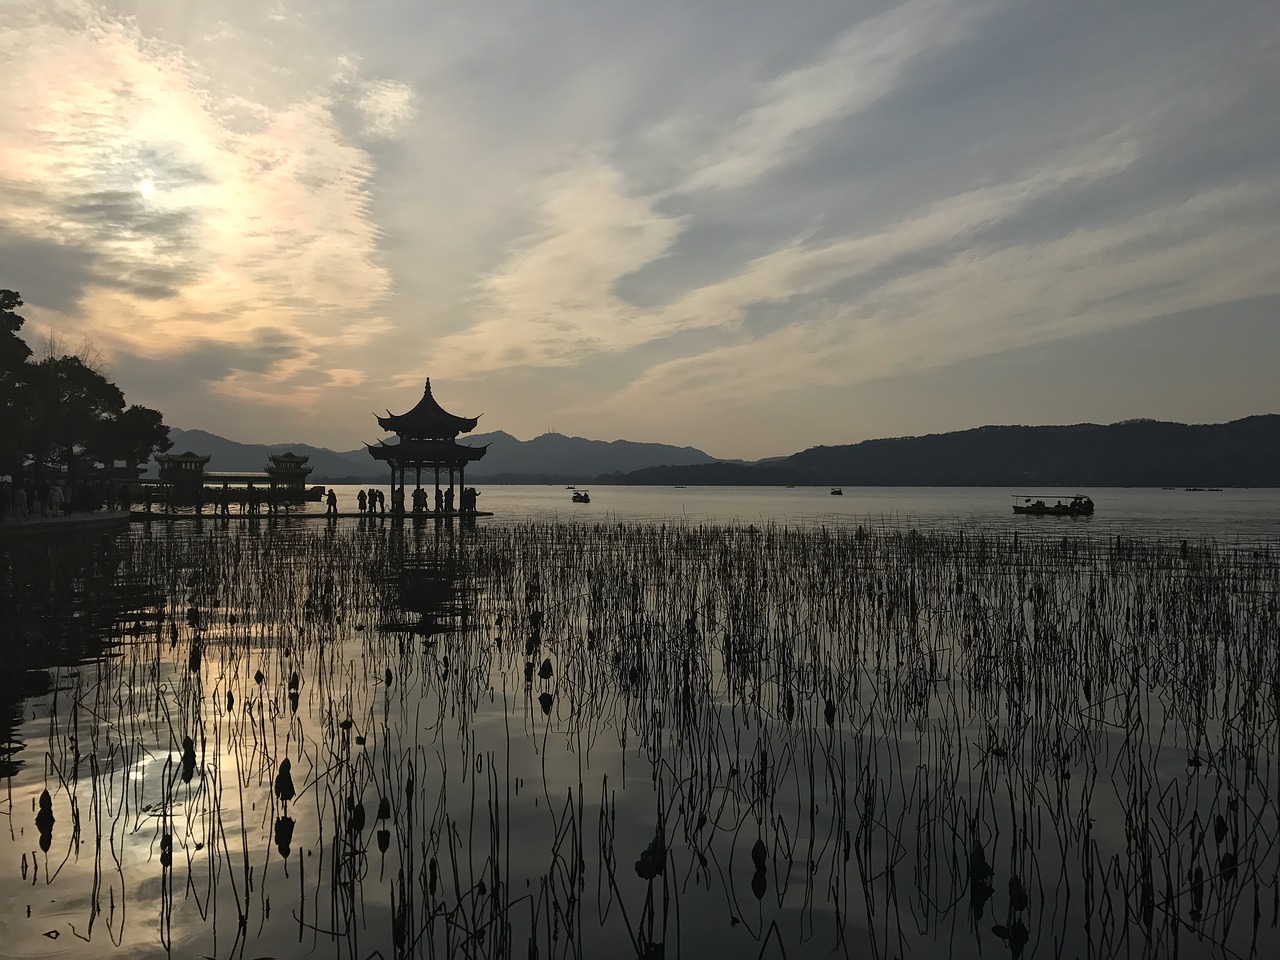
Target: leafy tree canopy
(13, 349)
(61, 410)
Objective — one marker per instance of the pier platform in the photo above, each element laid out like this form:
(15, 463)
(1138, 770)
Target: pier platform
(142, 516)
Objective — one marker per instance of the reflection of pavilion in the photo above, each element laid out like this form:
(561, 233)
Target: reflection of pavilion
(425, 590)
(427, 440)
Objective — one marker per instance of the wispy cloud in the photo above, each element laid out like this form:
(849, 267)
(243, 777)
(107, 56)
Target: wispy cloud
(998, 298)
(855, 71)
(553, 302)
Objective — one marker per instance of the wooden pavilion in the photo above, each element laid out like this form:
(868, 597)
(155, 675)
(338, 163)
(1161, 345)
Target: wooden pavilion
(428, 440)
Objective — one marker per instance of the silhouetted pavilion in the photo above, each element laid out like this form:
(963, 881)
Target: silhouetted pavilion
(427, 440)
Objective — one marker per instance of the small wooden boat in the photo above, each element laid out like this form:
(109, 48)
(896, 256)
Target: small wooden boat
(581, 496)
(1080, 506)
(837, 492)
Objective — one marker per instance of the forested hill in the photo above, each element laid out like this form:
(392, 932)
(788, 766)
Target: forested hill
(1140, 453)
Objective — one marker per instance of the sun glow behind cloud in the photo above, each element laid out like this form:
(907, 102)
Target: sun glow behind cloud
(204, 217)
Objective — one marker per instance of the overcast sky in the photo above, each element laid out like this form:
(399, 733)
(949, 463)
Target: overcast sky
(749, 227)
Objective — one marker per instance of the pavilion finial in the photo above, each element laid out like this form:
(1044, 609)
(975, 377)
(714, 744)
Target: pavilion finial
(427, 388)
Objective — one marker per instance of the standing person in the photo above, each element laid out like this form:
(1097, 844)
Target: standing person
(361, 499)
(448, 500)
(55, 500)
(6, 499)
(382, 503)
(439, 500)
(331, 503)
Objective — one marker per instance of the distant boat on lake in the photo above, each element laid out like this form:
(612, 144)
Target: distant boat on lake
(837, 492)
(1080, 506)
(581, 496)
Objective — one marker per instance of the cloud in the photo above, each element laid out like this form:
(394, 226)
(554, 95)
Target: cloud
(387, 107)
(553, 301)
(856, 70)
(620, 208)
(988, 300)
(203, 216)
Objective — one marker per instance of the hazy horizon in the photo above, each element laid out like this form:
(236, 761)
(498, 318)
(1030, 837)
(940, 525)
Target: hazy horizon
(748, 228)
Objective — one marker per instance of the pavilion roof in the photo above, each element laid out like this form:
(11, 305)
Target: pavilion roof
(289, 457)
(426, 452)
(427, 421)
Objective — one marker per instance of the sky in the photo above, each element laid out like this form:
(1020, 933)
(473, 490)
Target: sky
(743, 226)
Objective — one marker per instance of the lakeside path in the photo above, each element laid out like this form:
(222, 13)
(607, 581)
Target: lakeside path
(73, 523)
(108, 521)
(140, 516)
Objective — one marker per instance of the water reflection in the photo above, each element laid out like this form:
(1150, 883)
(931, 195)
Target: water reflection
(422, 739)
(64, 603)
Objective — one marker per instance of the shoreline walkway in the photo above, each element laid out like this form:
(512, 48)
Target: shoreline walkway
(141, 516)
(71, 523)
(105, 521)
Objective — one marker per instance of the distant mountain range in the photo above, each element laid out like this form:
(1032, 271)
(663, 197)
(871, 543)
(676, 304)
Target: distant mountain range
(548, 458)
(1132, 453)
(1138, 453)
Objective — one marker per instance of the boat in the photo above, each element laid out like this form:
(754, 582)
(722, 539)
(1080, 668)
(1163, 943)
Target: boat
(837, 492)
(1080, 506)
(581, 496)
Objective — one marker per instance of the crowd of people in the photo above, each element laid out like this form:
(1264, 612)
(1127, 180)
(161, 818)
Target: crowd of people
(28, 498)
(373, 502)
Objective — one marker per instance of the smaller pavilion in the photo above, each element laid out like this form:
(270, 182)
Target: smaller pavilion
(183, 473)
(428, 440)
(187, 481)
(288, 474)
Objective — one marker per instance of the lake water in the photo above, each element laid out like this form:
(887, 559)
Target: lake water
(1232, 515)
(671, 722)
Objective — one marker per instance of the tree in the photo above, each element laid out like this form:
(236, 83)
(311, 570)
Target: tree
(13, 349)
(13, 370)
(62, 410)
(133, 436)
(69, 411)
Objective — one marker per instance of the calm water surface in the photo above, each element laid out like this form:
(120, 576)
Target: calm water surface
(646, 734)
(1229, 515)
